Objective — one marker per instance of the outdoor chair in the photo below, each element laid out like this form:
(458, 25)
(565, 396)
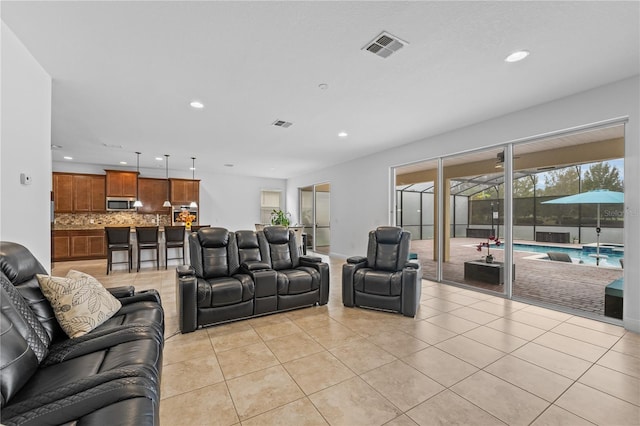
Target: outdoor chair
(559, 257)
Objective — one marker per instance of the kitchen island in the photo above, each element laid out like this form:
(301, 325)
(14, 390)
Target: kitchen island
(85, 242)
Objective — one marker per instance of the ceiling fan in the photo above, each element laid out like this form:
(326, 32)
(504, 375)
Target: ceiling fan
(500, 160)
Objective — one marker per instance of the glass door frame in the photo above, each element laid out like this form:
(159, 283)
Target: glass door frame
(314, 216)
(508, 199)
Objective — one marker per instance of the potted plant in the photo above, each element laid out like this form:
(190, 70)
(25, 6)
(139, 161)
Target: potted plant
(489, 257)
(278, 217)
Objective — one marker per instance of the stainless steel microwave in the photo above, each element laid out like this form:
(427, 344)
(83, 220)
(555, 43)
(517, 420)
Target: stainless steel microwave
(119, 204)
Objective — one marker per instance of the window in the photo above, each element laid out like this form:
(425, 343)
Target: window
(269, 200)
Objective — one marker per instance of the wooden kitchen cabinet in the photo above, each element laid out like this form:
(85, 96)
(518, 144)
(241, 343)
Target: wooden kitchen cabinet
(63, 193)
(60, 248)
(89, 193)
(78, 244)
(78, 193)
(121, 184)
(184, 191)
(152, 194)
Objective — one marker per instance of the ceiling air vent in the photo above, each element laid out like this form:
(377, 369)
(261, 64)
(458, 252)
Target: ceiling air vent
(384, 45)
(282, 123)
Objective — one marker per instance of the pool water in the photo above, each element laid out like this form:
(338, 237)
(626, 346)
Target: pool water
(613, 253)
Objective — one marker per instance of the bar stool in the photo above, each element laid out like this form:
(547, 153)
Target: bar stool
(118, 239)
(148, 240)
(173, 238)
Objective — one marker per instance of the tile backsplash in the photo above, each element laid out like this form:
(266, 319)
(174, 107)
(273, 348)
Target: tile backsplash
(110, 218)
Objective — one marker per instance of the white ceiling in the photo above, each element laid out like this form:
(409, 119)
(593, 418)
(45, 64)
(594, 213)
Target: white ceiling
(125, 72)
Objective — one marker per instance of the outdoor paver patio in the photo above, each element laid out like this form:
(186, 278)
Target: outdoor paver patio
(570, 285)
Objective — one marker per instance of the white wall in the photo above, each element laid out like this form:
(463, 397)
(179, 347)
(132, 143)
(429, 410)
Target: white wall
(229, 201)
(233, 202)
(360, 189)
(25, 147)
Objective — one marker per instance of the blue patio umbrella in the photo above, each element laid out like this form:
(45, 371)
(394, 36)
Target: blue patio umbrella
(598, 196)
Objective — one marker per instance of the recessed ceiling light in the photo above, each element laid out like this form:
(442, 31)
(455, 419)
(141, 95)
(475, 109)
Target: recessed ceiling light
(343, 134)
(517, 56)
(159, 158)
(228, 165)
(123, 163)
(66, 157)
(323, 86)
(196, 104)
(54, 146)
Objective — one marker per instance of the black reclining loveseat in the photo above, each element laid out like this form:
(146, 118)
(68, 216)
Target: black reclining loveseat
(235, 275)
(108, 376)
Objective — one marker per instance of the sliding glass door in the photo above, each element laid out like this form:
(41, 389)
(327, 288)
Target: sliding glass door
(473, 207)
(416, 211)
(315, 216)
(541, 220)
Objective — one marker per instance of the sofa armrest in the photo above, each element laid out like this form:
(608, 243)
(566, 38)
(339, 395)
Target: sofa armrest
(266, 282)
(357, 259)
(141, 296)
(310, 259)
(254, 266)
(187, 301)
(323, 268)
(122, 291)
(411, 288)
(185, 270)
(348, 271)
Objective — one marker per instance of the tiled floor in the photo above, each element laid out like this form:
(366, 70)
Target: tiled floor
(467, 358)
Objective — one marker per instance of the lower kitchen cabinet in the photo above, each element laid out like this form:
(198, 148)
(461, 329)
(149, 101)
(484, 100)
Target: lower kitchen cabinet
(78, 244)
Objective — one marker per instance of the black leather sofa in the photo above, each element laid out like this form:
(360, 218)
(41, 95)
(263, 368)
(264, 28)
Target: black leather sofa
(110, 376)
(235, 275)
(385, 279)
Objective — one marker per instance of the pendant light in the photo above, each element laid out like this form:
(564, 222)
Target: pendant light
(193, 204)
(137, 203)
(167, 203)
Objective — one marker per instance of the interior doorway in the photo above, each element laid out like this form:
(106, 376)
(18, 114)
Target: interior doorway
(315, 216)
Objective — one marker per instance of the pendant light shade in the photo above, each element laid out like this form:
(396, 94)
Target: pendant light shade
(167, 203)
(137, 203)
(193, 204)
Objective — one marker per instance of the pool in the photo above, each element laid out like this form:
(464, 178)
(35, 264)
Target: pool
(580, 255)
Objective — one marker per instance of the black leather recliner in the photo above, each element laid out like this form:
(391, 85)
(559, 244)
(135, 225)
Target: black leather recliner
(109, 376)
(385, 279)
(302, 280)
(213, 289)
(242, 274)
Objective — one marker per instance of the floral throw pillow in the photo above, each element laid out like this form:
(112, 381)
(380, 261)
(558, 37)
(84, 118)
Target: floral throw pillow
(79, 301)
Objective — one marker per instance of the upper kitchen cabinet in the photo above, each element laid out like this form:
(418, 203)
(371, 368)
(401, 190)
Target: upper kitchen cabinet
(121, 184)
(184, 191)
(63, 193)
(152, 193)
(78, 193)
(89, 193)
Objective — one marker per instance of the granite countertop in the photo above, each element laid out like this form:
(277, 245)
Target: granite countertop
(92, 226)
